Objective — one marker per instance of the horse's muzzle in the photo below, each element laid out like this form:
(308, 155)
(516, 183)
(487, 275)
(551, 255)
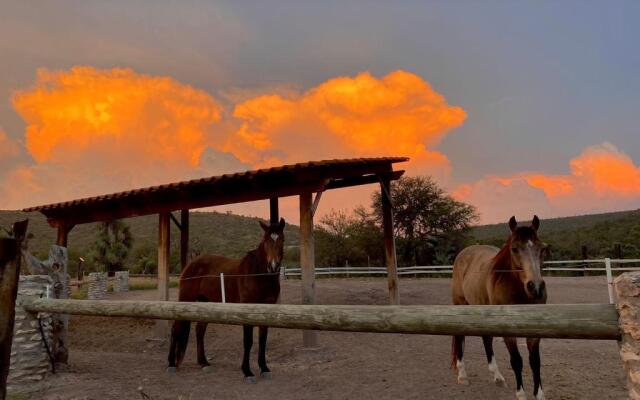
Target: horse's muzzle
(537, 290)
(273, 267)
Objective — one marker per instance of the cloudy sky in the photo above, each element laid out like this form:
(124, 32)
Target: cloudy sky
(515, 107)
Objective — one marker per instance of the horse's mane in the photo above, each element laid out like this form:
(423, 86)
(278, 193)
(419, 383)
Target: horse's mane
(502, 260)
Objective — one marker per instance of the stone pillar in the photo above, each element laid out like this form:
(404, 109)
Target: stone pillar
(121, 283)
(627, 287)
(30, 361)
(97, 286)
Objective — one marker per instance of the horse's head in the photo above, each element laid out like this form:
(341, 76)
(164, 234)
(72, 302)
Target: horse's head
(527, 256)
(272, 244)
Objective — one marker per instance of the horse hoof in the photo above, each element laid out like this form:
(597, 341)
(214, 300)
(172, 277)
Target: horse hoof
(521, 395)
(499, 381)
(540, 395)
(207, 369)
(172, 370)
(266, 375)
(463, 380)
(250, 380)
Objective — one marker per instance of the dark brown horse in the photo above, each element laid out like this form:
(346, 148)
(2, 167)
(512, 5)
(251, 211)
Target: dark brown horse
(511, 275)
(255, 278)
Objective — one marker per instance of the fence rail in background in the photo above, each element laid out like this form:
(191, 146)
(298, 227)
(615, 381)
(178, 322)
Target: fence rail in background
(609, 266)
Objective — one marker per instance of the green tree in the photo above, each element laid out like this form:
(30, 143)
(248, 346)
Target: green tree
(144, 259)
(112, 245)
(430, 225)
(349, 238)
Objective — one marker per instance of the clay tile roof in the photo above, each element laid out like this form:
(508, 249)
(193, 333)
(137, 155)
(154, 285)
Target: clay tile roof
(257, 184)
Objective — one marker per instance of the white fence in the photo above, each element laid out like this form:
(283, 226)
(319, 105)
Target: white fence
(606, 265)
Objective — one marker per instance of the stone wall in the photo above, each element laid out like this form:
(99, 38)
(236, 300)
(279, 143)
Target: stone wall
(121, 283)
(97, 286)
(627, 287)
(30, 361)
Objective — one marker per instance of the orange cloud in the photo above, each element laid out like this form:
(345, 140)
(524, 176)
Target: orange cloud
(115, 111)
(399, 113)
(92, 131)
(606, 170)
(601, 178)
(360, 116)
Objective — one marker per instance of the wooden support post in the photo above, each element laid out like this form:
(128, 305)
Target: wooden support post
(627, 288)
(164, 229)
(316, 203)
(389, 241)
(184, 239)
(63, 234)
(9, 272)
(274, 212)
(307, 263)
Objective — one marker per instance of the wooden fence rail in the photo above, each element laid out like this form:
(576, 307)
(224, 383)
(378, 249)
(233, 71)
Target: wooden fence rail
(571, 321)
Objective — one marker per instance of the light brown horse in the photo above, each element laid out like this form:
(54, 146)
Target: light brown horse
(255, 278)
(511, 275)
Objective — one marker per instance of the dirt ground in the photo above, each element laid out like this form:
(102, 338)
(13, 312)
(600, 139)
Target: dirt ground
(114, 358)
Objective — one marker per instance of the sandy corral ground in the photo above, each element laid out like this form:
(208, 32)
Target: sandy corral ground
(111, 358)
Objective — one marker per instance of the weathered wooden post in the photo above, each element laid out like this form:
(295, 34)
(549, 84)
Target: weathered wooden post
(389, 240)
(9, 272)
(627, 288)
(164, 230)
(307, 263)
(184, 239)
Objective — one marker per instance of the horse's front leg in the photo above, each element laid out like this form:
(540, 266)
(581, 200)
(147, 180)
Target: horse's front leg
(516, 365)
(201, 329)
(498, 379)
(248, 343)
(262, 350)
(533, 344)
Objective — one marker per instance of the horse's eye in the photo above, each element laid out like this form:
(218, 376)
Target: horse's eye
(514, 249)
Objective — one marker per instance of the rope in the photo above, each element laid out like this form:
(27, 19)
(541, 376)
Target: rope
(46, 345)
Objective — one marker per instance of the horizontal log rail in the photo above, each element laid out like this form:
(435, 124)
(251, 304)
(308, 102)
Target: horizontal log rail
(569, 321)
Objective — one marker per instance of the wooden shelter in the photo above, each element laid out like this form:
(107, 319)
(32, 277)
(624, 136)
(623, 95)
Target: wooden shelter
(303, 180)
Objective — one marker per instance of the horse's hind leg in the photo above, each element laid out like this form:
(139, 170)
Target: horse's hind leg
(533, 344)
(262, 350)
(179, 341)
(516, 365)
(498, 379)
(248, 343)
(458, 353)
(201, 328)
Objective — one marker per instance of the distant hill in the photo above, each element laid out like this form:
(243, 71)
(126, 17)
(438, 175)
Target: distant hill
(484, 232)
(210, 232)
(600, 233)
(233, 235)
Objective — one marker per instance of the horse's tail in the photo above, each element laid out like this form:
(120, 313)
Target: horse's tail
(454, 353)
(182, 339)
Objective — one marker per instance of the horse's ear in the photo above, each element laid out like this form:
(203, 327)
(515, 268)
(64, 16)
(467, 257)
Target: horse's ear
(281, 225)
(535, 223)
(264, 226)
(513, 224)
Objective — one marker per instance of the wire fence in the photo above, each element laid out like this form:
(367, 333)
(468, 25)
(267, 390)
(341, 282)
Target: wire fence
(577, 266)
(592, 266)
